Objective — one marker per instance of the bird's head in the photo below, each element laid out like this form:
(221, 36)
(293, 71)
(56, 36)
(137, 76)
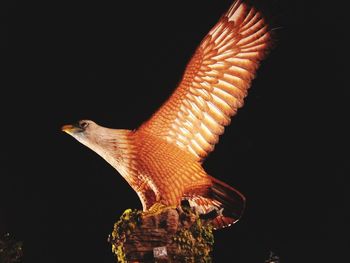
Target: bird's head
(85, 131)
(109, 143)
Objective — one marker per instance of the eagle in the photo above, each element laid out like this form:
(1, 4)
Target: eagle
(162, 159)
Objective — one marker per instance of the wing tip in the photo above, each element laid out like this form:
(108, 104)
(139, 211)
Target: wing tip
(262, 10)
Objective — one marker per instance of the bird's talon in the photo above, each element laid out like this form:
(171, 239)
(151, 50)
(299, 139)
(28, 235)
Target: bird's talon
(156, 209)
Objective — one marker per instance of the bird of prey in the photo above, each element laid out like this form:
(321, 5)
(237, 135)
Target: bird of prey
(162, 159)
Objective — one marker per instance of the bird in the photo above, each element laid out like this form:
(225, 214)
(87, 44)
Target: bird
(162, 160)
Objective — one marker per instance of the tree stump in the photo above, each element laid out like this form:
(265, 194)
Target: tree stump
(171, 235)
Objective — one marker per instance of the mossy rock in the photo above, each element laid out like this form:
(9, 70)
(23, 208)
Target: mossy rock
(171, 235)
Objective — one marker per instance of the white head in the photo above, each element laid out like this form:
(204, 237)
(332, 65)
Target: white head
(85, 131)
(111, 144)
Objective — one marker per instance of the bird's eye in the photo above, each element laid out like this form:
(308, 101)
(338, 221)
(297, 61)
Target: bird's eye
(83, 124)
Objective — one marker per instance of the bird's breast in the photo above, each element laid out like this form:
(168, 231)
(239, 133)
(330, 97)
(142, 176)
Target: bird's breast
(168, 168)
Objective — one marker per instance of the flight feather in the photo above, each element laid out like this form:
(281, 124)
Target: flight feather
(215, 82)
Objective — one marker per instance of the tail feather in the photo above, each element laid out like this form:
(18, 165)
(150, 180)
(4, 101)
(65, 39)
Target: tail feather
(232, 201)
(222, 204)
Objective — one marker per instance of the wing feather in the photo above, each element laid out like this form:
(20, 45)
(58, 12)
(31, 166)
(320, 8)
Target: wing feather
(215, 82)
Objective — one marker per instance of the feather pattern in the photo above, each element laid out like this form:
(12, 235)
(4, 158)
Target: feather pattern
(214, 84)
(162, 159)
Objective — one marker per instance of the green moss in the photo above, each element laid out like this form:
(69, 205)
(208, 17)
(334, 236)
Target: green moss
(196, 242)
(122, 228)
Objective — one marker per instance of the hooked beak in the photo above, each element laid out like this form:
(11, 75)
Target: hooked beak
(71, 129)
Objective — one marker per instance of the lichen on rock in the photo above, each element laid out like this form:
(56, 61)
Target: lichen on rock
(185, 236)
(123, 228)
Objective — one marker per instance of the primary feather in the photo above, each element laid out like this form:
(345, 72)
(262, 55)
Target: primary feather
(215, 82)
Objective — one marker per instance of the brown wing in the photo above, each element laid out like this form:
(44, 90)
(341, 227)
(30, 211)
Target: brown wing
(215, 82)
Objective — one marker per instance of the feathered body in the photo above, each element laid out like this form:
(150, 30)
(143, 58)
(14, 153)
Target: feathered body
(162, 159)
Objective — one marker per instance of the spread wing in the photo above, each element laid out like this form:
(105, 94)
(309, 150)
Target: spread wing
(215, 82)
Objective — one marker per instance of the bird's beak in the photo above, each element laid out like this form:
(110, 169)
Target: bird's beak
(71, 129)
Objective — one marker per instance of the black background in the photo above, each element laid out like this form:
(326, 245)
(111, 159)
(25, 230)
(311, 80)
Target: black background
(115, 62)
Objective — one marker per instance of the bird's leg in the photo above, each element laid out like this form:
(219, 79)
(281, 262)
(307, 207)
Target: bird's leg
(156, 209)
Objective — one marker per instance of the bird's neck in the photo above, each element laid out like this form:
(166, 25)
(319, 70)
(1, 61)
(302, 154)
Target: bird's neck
(117, 148)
